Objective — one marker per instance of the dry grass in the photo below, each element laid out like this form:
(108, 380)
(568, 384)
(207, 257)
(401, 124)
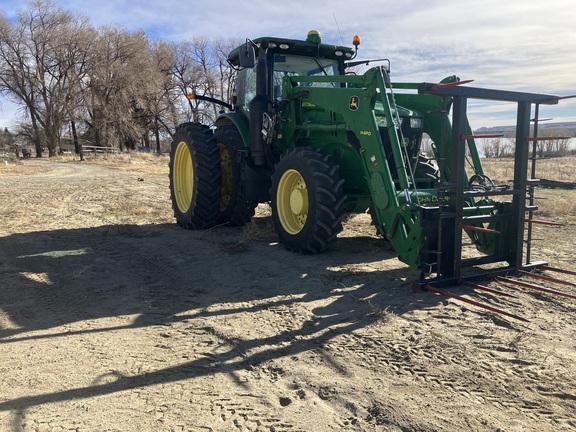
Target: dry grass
(501, 170)
(261, 227)
(556, 204)
(119, 158)
(381, 315)
(12, 167)
(151, 162)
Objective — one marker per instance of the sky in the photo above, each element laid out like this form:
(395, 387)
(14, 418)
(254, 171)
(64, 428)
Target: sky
(516, 45)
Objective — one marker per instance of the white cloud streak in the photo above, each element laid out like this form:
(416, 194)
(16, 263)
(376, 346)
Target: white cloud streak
(520, 45)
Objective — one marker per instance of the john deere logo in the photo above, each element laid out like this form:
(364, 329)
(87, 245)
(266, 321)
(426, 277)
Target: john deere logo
(354, 103)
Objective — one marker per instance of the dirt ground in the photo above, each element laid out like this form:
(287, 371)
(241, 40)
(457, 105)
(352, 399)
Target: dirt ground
(113, 318)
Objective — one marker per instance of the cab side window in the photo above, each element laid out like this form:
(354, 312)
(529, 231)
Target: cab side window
(245, 88)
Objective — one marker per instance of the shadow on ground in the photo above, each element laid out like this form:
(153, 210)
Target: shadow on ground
(161, 274)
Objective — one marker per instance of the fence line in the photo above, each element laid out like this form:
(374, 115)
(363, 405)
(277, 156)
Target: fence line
(97, 149)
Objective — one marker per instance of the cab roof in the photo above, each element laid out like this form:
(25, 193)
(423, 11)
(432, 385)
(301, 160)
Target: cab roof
(296, 47)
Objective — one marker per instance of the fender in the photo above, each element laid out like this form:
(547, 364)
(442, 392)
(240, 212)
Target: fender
(237, 120)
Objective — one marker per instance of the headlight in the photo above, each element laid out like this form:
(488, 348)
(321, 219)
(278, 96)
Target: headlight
(382, 122)
(415, 123)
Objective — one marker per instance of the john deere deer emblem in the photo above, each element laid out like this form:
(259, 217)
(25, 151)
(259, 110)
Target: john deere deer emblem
(354, 103)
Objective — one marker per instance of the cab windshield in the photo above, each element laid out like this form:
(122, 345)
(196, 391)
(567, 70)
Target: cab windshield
(293, 65)
(307, 66)
(285, 65)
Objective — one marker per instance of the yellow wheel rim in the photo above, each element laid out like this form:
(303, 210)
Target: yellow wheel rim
(183, 177)
(292, 201)
(227, 177)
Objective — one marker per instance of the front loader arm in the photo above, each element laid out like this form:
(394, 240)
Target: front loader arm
(394, 199)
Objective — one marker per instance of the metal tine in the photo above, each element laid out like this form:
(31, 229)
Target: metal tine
(473, 302)
(457, 83)
(546, 278)
(543, 222)
(559, 270)
(564, 97)
(485, 288)
(532, 286)
(480, 229)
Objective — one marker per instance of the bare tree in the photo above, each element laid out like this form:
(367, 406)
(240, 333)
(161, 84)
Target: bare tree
(226, 74)
(6, 139)
(120, 78)
(187, 74)
(201, 67)
(16, 74)
(555, 144)
(161, 97)
(117, 85)
(42, 54)
(497, 147)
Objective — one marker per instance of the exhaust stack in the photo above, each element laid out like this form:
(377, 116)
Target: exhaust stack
(258, 106)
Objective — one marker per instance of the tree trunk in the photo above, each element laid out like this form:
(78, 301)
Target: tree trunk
(36, 137)
(51, 139)
(157, 134)
(147, 141)
(77, 144)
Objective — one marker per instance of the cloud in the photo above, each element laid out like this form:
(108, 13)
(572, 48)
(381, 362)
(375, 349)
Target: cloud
(513, 45)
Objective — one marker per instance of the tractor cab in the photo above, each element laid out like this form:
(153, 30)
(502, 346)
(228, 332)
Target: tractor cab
(283, 58)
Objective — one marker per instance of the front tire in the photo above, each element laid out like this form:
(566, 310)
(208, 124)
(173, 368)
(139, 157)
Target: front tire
(195, 176)
(307, 200)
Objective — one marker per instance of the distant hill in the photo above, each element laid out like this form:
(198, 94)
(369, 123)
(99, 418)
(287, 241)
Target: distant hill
(564, 128)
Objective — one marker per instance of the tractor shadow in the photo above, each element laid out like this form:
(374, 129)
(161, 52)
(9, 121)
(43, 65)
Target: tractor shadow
(161, 274)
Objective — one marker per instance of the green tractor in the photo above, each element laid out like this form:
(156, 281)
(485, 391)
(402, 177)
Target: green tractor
(318, 141)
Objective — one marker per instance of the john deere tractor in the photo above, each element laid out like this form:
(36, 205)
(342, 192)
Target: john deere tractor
(318, 141)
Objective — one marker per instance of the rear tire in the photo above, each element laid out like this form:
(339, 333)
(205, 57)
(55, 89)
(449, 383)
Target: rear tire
(234, 210)
(195, 176)
(426, 171)
(307, 200)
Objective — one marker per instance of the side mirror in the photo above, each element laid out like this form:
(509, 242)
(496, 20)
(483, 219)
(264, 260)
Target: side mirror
(247, 57)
